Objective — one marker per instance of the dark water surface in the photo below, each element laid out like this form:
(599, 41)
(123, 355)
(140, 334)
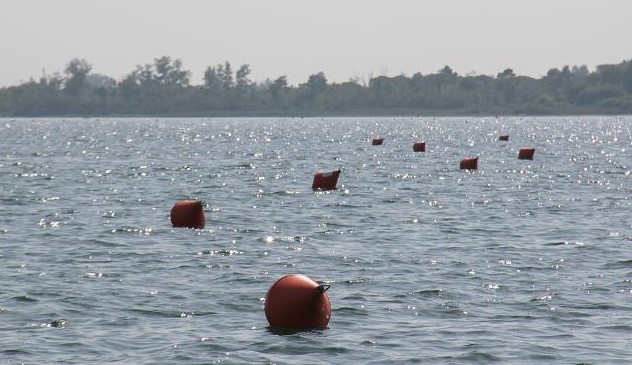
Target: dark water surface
(517, 262)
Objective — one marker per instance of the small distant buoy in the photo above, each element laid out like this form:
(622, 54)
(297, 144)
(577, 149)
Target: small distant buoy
(419, 147)
(377, 141)
(325, 180)
(503, 137)
(188, 214)
(296, 301)
(526, 153)
(469, 163)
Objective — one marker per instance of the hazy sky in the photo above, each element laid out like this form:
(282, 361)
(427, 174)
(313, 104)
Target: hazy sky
(297, 38)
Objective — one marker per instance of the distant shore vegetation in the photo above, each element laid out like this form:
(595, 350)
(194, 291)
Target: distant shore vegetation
(164, 88)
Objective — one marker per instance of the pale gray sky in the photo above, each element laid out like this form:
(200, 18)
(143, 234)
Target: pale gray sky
(297, 38)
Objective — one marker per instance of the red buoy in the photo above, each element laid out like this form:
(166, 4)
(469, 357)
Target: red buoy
(526, 153)
(419, 147)
(325, 180)
(503, 137)
(296, 301)
(188, 214)
(469, 163)
(377, 141)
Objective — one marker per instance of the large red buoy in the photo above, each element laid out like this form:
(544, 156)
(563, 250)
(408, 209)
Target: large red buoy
(296, 301)
(526, 153)
(377, 141)
(469, 163)
(503, 137)
(188, 214)
(419, 147)
(325, 180)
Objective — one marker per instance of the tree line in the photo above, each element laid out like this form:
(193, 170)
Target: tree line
(164, 88)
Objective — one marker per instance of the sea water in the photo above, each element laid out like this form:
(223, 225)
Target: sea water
(520, 261)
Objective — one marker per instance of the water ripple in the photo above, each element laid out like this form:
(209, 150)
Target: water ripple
(517, 262)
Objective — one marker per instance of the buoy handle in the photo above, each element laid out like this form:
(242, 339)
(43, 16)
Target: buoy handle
(322, 288)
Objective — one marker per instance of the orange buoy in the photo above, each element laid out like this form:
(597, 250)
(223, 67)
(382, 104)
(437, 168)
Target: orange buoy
(188, 214)
(325, 180)
(377, 141)
(526, 153)
(469, 163)
(296, 301)
(419, 147)
(503, 137)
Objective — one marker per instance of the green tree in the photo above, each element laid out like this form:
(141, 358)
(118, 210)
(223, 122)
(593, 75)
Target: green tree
(226, 74)
(212, 79)
(316, 83)
(595, 94)
(242, 77)
(76, 72)
(277, 87)
(580, 71)
(169, 72)
(610, 74)
(447, 71)
(626, 79)
(162, 87)
(506, 74)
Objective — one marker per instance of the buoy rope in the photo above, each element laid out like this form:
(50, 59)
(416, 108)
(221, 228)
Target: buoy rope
(322, 288)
